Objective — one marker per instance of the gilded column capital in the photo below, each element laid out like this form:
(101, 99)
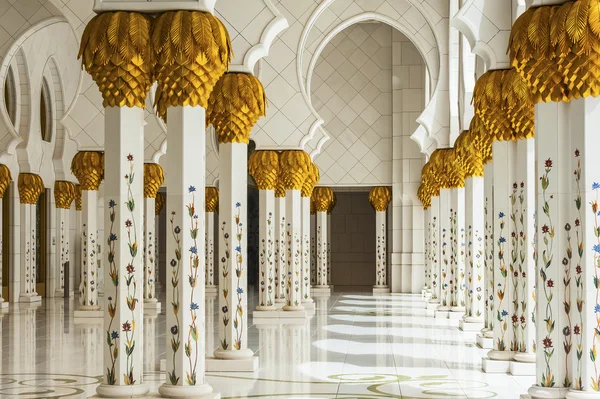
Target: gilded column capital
(312, 179)
(456, 174)
(154, 177)
(31, 187)
(294, 166)
(313, 208)
(380, 197)
(211, 199)
(322, 198)
(332, 204)
(88, 168)
(483, 139)
(423, 196)
(235, 105)
(115, 50)
(488, 104)
(518, 105)
(159, 203)
(78, 198)
(192, 50)
(264, 168)
(64, 194)
(5, 179)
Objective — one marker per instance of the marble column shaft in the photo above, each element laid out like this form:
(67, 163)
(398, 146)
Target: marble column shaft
(475, 226)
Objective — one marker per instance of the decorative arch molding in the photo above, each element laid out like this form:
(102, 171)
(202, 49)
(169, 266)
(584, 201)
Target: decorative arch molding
(435, 116)
(486, 25)
(261, 50)
(36, 58)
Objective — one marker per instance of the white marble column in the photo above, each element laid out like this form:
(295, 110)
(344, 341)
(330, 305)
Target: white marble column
(154, 178)
(381, 250)
(294, 167)
(185, 294)
(150, 268)
(322, 249)
(211, 205)
(329, 264)
(5, 180)
(210, 251)
(524, 202)
(555, 176)
(236, 104)
(445, 248)
(159, 203)
(379, 198)
(307, 300)
(64, 194)
(75, 266)
(280, 246)
(30, 188)
(123, 226)
(582, 250)
(504, 335)
(458, 249)
(434, 216)
(321, 199)
(475, 225)
(490, 250)
(266, 289)
(88, 289)
(313, 245)
(264, 168)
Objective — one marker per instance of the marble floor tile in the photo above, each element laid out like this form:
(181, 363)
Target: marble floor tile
(353, 346)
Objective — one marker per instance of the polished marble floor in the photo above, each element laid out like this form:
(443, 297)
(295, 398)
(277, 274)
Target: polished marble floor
(354, 346)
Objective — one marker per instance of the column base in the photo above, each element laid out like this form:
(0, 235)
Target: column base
(456, 315)
(484, 342)
(309, 305)
(572, 394)
(29, 298)
(525, 357)
(522, 368)
(293, 308)
(280, 314)
(203, 391)
(442, 308)
(59, 292)
(211, 289)
(121, 391)
(489, 334)
(279, 300)
(536, 392)
(427, 296)
(321, 290)
(268, 309)
(379, 290)
(3, 304)
(501, 355)
(442, 314)
(89, 312)
(152, 305)
(495, 366)
(432, 305)
(247, 364)
(470, 326)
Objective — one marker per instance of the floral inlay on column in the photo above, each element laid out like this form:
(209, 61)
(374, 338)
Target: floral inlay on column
(154, 178)
(501, 314)
(380, 197)
(579, 281)
(547, 231)
(515, 266)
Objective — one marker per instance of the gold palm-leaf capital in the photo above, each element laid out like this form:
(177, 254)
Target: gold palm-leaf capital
(192, 51)
(30, 187)
(294, 166)
(64, 194)
(380, 198)
(333, 203)
(154, 177)
(322, 198)
(235, 105)
(5, 179)
(211, 199)
(115, 50)
(312, 179)
(264, 169)
(78, 198)
(88, 168)
(159, 203)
